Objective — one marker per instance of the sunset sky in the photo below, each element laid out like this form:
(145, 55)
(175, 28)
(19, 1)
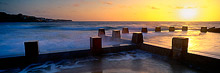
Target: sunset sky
(117, 10)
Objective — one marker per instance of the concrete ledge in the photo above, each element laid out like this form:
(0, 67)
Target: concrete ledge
(23, 61)
(213, 29)
(13, 62)
(119, 49)
(204, 63)
(155, 49)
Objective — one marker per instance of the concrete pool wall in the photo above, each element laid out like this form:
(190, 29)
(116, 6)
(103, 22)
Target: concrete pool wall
(204, 63)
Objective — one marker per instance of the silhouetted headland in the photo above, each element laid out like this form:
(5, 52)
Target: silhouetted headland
(4, 17)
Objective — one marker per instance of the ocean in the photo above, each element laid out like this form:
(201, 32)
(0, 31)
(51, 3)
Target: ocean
(69, 36)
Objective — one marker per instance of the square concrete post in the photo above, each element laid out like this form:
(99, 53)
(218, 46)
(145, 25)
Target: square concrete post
(137, 38)
(116, 35)
(144, 30)
(31, 49)
(157, 29)
(96, 45)
(179, 47)
(171, 29)
(204, 29)
(184, 28)
(101, 32)
(125, 30)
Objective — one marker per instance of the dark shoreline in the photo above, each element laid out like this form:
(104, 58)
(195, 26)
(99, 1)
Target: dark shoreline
(4, 17)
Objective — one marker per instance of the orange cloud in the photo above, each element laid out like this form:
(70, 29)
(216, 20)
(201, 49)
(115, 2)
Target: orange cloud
(184, 7)
(108, 3)
(154, 8)
(179, 7)
(76, 5)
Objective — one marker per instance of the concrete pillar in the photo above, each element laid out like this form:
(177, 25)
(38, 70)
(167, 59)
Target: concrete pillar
(184, 28)
(96, 45)
(157, 29)
(116, 35)
(101, 32)
(171, 29)
(204, 29)
(31, 49)
(179, 47)
(125, 30)
(144, 30)
(137, 38)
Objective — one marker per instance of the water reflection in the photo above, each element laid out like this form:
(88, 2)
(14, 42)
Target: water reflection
(96, 66)
(206, 44)
(136, 61)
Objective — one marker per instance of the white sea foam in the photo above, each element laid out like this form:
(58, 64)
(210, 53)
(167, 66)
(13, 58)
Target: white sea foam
(130, 55)
(136, 60)
(66, 36)
(52, 67)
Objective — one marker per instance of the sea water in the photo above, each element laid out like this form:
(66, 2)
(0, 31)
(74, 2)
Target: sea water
(136, 61)
(69, 36)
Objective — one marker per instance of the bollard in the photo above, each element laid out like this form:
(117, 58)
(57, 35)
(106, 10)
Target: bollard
(31, 49)
(204, 29)
(179, 47)
(101, 32)
(157, 29)
(144, 30)
(116, 35)
(184, 28)
(96, 45)
(171, 29)
(125, 30)
(137, 38)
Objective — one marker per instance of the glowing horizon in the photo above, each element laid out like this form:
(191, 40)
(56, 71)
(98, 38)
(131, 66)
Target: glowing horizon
(117, 10)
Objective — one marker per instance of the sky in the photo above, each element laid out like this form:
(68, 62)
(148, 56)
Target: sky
(117, 10)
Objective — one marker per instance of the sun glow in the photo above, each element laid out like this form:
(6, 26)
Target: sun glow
(188, 14)
(117, 10)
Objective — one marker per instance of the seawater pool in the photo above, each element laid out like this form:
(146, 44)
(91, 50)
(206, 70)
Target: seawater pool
(70, 36)
(205, 44)
(135, 61)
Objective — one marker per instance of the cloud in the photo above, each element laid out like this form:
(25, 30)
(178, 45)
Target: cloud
(179, 7)
(154, 8)
(108, 3)
(76, 5)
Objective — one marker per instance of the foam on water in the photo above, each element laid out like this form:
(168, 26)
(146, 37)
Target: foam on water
(131, 61)
(68, 36)
(52, 67)
(130, 55)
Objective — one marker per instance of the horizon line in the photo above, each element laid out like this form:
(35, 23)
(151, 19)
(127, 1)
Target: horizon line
(141, 21)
